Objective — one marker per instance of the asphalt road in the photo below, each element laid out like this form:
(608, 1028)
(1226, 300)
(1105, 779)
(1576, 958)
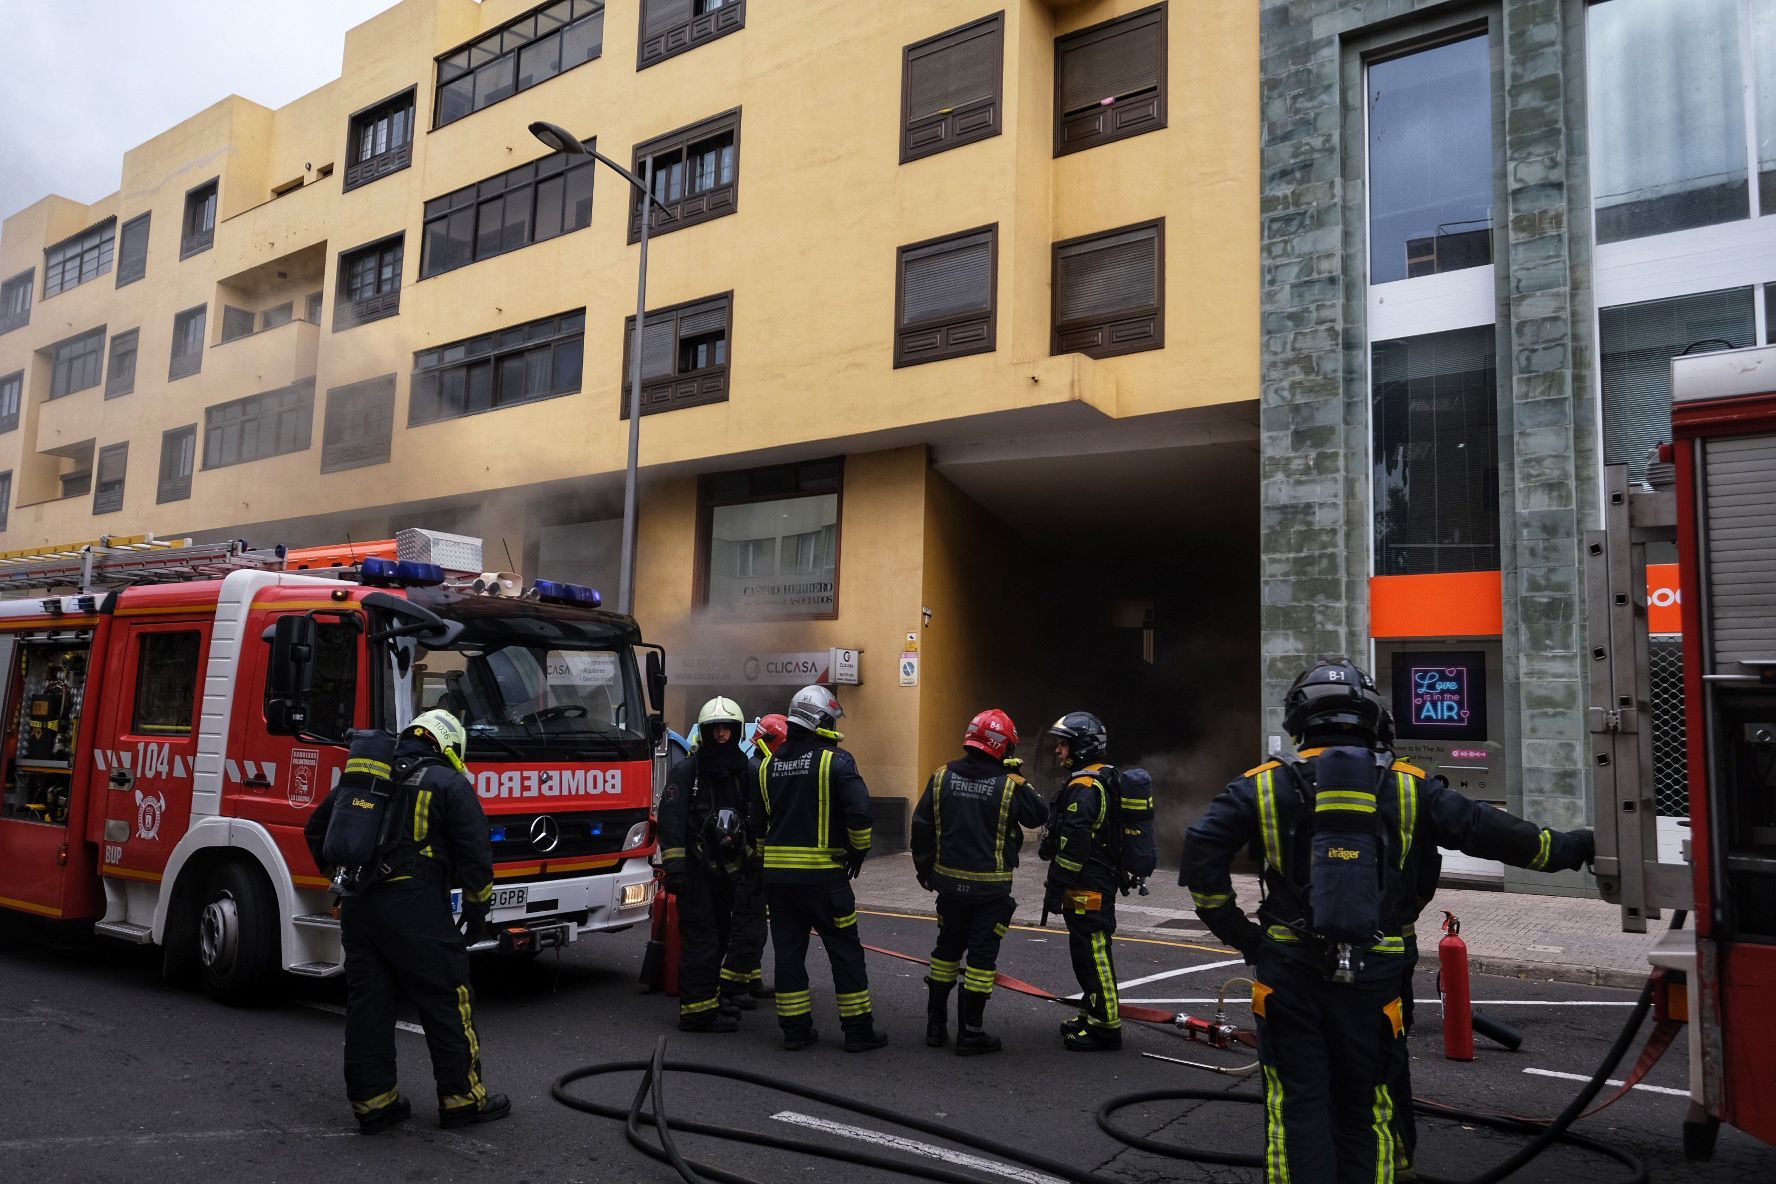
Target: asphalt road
(111, 1075)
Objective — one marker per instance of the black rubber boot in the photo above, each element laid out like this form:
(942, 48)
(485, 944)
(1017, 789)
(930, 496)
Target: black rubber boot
(1092, 1039)
(937, 1013)
(865, 1037)
(496, 1107)
(739, 1001)
(971, 1039)
(798, 1039)
(1075, 1024)
(712, 1021)
(393, 1114)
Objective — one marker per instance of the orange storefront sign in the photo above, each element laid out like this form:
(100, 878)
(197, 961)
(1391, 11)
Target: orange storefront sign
(1664, 599)
(1458, 604)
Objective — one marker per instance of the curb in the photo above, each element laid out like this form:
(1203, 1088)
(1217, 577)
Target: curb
(1559, 972)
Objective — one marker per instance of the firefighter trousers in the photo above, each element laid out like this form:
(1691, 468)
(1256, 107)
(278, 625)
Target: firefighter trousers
(1400, 1067)
(973, 926)
(401, 943)
(829, 909)
(1327, 1049)
(705, 919)
(742, 970)
(1091, 920)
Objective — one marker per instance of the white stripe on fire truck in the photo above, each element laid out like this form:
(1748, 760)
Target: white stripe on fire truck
(233, 770)
(252, 770)
(178, 766)
(125, 758)
(99, 758)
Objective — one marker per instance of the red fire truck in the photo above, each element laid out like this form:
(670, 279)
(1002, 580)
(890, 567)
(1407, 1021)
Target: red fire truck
(1712, 492)
(167, 727)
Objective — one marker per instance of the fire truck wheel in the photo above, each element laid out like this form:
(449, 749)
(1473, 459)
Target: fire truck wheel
(235, 942)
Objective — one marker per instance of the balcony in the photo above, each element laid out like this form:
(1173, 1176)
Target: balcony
(263, 361)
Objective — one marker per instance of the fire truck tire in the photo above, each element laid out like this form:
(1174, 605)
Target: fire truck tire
(236, 944)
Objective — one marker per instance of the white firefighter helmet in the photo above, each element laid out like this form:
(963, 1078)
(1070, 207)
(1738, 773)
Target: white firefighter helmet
(815, 707)
(719, 710)
(444, 730)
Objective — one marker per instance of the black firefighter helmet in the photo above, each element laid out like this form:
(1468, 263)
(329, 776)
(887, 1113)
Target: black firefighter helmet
(1334, 695)
(1087, 742)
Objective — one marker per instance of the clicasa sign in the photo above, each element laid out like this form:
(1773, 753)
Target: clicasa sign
(835, 667)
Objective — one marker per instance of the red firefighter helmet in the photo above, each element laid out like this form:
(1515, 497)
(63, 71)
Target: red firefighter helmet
(771, 730)
(991, 732)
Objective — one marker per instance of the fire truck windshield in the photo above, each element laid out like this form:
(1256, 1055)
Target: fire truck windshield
(531, 686)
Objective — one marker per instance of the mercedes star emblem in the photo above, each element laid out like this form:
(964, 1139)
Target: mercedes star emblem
(545, 834)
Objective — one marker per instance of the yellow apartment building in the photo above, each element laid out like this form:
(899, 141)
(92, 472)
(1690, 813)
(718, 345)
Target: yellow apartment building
(951, 357)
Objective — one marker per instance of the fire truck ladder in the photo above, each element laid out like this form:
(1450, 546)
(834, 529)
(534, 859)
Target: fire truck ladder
(115, 561)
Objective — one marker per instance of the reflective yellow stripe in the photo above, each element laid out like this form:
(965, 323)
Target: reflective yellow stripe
(846, 921)
(1106, 982)
(975, 877)
(1206, 901)
(672, 853)
(860, 839)
(481, 894)
(364, 764)
(800, 858)
(1357, 796)
(381, 1101)
(944, 971)
(1282, 933)
(1276, 1151)
(1351, 807)
(1542, 851)
(1069, 864)
(853, 1004)
(1408, 798)
(1389, 945)
(825, 832)
(735, 976)
(794, 1002)
(1006, 792)
(698, 1008)
(1267, 819)
(763, 792)
(422, 815)
(1384, 1136)
(1001, 930)
(477, 1091)
(1137, 803)
(937, 788)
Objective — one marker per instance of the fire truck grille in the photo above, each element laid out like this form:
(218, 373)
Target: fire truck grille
(523, 838)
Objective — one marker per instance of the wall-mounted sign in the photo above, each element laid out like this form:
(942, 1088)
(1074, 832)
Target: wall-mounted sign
(780, 668)
(909, 668)
(1440, 695)
(1664, 599)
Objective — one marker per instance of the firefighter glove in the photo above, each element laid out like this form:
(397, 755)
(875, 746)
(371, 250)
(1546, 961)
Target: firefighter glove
(1054, 898)
(925, 882)
(474, 921)
(854, 863)
(1581, 846)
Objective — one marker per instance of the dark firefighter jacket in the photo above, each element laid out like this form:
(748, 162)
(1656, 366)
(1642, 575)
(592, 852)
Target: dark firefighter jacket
(812, 810)
(441, 832)
(968, 826)
(1270, 810)
(711, 778)
(1086, 847)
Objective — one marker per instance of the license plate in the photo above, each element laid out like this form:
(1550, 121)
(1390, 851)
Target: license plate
(503, 898)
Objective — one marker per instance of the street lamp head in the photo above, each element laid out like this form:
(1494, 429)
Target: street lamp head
(558, 138)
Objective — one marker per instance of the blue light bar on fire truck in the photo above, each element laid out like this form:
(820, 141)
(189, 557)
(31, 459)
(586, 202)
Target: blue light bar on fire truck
(389, 573)
(550, 592)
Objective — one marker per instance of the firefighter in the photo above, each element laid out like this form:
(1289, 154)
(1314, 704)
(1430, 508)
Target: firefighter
(400, 941)
(742, 974)
(713, 778)
(1084, 875)
(967, 830)
(813, 812)
(1340, 828)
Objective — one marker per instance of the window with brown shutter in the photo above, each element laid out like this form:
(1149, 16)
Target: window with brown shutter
(684, 356)
(946, 291)
(670, 27)
(950, 88)
(359, 425)
(696, 175)
(1110, 81)
(108, 490)
(178, 455)
(1109, 291)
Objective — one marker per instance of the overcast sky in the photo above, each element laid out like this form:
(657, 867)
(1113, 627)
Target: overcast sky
(87, 80)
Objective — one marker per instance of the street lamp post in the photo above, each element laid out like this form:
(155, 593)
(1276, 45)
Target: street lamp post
(561, 140)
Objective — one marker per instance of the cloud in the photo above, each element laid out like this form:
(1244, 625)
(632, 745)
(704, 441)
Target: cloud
(87, 80)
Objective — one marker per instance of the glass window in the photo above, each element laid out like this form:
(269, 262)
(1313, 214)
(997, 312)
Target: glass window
(946, 298)
(333, 703)
(166, 683)
(1667, 116)
(5, 496)
(259, 426)
(283, 314)
(696, 175)
(1110, 81)
(120, 377)
(524, 53)
(188, 342)
(73, 261)
(1109, 292)
(498, 369)
(770, 541)
(1436, 453)
(670, 27)
(200, 220)
(15, 302)
(132, 252)
(108, 492)
(1430, 161)
(507, 211)
(76, 363)
(236, 322)
(12, 388)
(1637, 343)
(684, 356)
(178, 455)
(950, 85)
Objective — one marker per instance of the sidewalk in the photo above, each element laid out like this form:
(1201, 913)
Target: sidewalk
(1562, 938)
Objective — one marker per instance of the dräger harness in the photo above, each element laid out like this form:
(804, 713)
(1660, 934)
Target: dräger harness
(1335, 884)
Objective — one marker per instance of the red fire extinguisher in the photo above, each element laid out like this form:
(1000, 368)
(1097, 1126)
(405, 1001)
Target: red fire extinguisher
(1456, 992)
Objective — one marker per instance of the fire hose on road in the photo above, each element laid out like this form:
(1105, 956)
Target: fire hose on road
(1216, 1032)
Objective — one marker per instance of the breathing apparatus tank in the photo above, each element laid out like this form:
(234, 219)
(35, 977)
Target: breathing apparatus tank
(1344, 888)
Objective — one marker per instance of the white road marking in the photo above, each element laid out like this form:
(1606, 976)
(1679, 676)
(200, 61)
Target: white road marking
(1651, 1089)
(914, 1147)
(1153, 978)
(1434, 1002)
(338, 1010)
